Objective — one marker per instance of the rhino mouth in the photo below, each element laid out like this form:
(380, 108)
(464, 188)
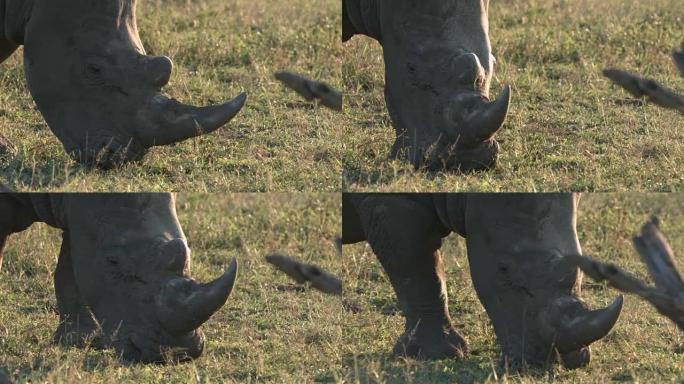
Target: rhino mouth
(458, 137)
(137, 349)
(448, 156)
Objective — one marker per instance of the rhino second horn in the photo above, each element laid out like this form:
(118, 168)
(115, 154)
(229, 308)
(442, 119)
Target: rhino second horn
(484, 122)
(169, 121)
(182, 311)
(588, 327)
(175, 255)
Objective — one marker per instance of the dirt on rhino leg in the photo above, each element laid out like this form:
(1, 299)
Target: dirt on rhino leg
(75, 319)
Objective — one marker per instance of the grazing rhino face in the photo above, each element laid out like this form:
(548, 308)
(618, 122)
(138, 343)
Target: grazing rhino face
(517, 246)
(438, 69)
(97, 89)
(130, 265)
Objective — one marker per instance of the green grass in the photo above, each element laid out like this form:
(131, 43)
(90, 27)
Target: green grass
(273, 331)
(569, 128)
(269, 331)
(644, 346)
(277, 143)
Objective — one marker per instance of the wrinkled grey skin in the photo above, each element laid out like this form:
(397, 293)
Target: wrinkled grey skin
(516, 246)
(93, 82)
(123, 273)
(438, 69)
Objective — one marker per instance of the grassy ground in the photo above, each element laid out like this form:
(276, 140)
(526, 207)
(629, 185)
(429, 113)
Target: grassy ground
(644, 347)
(274, 331)
(220, 48)
(270, 331)
(569, 128)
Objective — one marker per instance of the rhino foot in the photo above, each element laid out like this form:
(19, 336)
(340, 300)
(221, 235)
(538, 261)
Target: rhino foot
(431, 342)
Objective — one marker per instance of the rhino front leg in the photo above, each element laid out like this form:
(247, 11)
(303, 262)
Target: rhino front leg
(76, 321)
(16, 214)
(406, 238)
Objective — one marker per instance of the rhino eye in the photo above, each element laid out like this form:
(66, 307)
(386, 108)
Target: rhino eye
(113, 255)
(93, 69)
(93, 73)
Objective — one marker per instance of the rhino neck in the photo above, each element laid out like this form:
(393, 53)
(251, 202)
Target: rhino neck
(48, 209)
(14, 16)
(16, 213)
(360, 17)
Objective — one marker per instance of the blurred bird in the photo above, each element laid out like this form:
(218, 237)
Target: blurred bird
(311, 89)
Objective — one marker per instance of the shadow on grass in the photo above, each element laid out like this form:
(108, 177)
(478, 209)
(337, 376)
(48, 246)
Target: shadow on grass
(20, 172)
(387, 172)
(372, 368)
(385, 368)
(35, 371)
(360, 178)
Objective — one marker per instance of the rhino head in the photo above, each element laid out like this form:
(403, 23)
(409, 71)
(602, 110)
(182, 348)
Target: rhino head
(517, 247)
(123, 275)
(90, 77)
(438, 69)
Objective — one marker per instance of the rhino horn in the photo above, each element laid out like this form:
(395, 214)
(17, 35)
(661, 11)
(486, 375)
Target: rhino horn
(184, 310)
(167, 121)
(175, 255)
(485, 121)
(588, 327)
